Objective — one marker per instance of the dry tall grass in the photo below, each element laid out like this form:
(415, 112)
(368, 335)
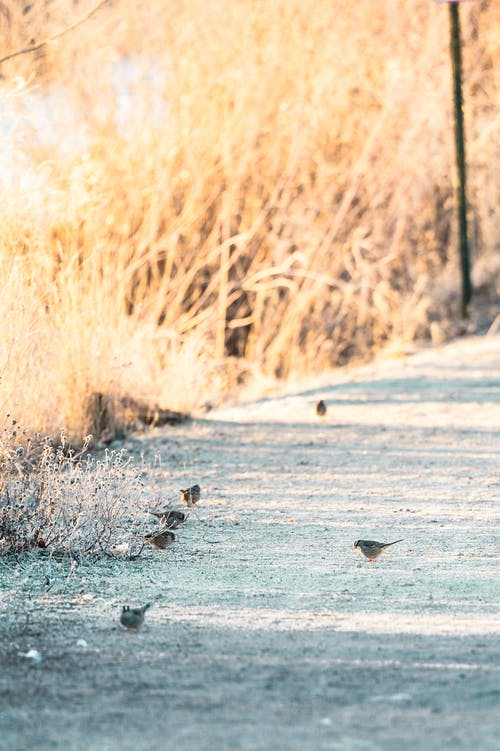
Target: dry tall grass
(193, 190)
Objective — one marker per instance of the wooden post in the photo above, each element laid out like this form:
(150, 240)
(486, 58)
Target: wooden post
(456, 61)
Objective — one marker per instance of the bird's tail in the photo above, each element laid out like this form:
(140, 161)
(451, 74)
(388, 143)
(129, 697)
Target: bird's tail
(145, 607)
(393, 543)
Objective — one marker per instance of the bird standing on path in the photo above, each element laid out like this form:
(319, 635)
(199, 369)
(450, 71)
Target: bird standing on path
(171, 518)
(321, 408)
(372, 549)
(160, 540)
(133, 618)
(191, 495)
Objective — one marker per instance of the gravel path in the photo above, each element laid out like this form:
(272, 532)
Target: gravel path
(267, 630)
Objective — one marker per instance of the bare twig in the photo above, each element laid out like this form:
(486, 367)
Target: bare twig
(53, 38)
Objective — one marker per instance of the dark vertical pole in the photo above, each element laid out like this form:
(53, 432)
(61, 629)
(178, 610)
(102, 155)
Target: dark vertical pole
(456, 60)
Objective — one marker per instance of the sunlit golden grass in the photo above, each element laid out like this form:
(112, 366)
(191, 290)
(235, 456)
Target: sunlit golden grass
(198, 191)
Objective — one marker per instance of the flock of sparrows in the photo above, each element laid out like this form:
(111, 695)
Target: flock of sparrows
(170, 518)
(133, 618)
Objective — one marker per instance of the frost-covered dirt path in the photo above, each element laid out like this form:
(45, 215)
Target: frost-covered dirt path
(268, 631)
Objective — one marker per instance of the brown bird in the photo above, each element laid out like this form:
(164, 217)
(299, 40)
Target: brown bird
(321, 408)
(171, 518)
(372, 549)
(160, 540)
(133, 618)
(191, 495)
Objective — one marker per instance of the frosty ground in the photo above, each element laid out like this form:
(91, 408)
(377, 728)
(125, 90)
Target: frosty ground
(267, 630)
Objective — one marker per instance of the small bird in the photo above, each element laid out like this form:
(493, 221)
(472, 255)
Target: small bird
(133, 618)
(372, 549)
(160, 540)
(191, 495)
(171, 518)
(321, 408)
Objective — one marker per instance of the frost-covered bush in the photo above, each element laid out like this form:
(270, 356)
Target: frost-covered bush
(59, 500)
